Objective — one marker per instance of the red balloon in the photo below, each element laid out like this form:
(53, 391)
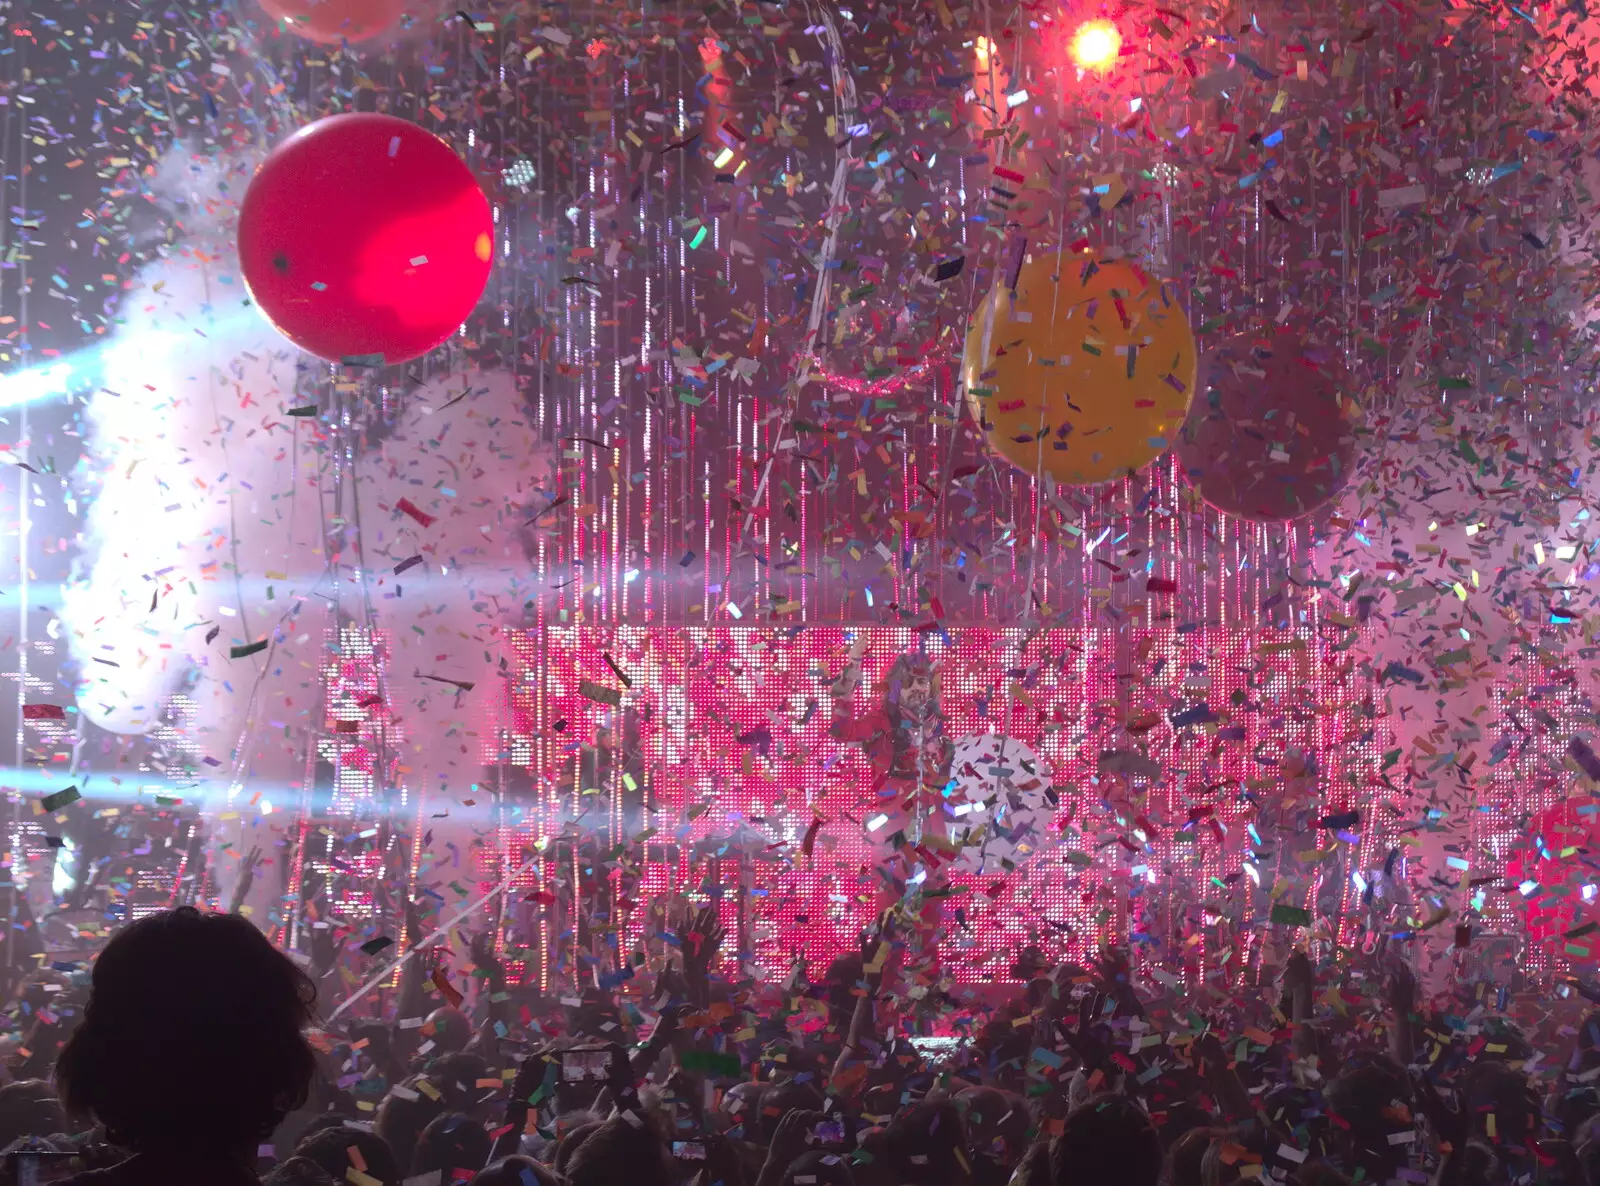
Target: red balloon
(365, 235)
(1273, 436)
(333, 21)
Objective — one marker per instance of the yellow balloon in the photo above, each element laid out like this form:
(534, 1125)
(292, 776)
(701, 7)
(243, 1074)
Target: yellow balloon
(1089, 370)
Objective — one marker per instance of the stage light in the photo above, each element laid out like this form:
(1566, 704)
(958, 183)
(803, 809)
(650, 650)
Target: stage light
(35, 385)
(1095, 45)
(83, 369)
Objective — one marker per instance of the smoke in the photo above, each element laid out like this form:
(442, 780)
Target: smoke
(226, 542)
(186, 437)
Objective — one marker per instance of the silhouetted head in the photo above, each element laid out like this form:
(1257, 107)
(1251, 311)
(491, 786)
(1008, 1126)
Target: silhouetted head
(449, 1029)
(1107, 1138)
(451, 1143)
(817, 1167)
(1372, 1104)
(517, 1171)
(923, 1143)
(192, 1040)
(997, 1131)
(782, 1098)
(841, 984)
(402, 1116)
(1188, 1152)
(622, 1150)
(1502, 1091)
(340, 1148)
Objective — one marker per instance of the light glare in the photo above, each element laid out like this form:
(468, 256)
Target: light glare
(1095, 45)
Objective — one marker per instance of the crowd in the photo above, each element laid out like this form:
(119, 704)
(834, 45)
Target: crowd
(192, 1053)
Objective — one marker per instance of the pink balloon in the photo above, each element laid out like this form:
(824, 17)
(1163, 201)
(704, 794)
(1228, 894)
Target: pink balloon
(364, 234)
(333, 21)
(1271, 435)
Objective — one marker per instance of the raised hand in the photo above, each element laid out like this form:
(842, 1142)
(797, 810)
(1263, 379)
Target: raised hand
(413, 922)
(1298, 973)
(248, 865)
(1400, 989)
(311, 885)
(1116, 978)
(483, 955)
(1112, 966)
(872, 941)
(701, 938)
(1208, 1054)
(531, 1074)
(1299, 983)
(671, 989)
(851, 675)
(1452, 1126)
(325, 950)
(1091, 1050)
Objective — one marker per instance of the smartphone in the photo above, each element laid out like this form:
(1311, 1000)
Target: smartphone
(592, 1065)
(829, 1132)
(689, 1150)
(36, 1167)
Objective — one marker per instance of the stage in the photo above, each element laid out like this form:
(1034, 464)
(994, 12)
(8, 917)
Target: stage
(1168, 785)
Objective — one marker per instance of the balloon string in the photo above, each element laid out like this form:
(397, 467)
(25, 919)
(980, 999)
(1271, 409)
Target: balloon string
(1039, 476)
(844, 90)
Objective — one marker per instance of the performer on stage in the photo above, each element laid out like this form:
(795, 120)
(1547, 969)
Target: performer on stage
(904, 740)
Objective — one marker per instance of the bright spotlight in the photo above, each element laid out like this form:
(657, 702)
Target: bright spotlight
(1095, 45)
(35, 385)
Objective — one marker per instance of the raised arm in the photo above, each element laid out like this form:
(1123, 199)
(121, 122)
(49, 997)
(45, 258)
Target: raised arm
(409, 1005)
(247, 878)
(1400, 990)
(497, 1017)
(531, 1076)
(879, 955)
(701, 938)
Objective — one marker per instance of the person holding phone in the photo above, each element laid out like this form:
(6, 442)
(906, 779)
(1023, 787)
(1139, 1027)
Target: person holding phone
(572, 1078)
(801, 1133)
(41, 1165)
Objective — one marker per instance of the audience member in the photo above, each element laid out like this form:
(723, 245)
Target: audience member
(191, 1049)
(192, 1045)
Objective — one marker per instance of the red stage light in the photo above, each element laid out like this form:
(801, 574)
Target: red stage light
(1095, 45)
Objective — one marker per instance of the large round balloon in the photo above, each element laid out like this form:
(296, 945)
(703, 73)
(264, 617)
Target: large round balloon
(1001, 787)
(333, 21)
(364, 235)
(1273, 434)
(1089, 369)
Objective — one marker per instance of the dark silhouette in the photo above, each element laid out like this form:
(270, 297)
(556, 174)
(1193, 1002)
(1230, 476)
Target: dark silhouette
(450, 1143)
(190, 1050)
(339, 1148)
(1106, 1141)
